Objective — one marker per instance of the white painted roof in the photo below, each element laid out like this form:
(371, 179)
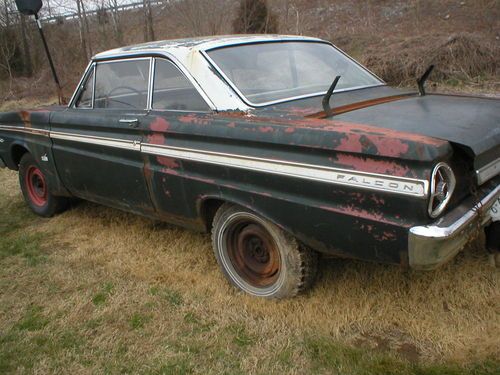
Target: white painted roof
(188, 55)
(173, 46)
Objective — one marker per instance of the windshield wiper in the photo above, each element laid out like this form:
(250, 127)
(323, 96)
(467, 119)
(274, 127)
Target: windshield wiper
(328, 95)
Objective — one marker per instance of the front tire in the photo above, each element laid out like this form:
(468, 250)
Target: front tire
(258, 257)
(36, 189)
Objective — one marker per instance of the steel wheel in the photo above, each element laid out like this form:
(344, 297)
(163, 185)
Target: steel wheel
(250, 252)
(36, 186)
(258, 257)
(36, 189)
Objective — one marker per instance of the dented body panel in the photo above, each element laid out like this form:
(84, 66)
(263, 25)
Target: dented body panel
(351, 185)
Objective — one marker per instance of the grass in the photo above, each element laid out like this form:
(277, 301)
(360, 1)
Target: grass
(95, 290)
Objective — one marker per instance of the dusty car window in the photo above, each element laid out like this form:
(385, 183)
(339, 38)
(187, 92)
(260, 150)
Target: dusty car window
(269, 72)
(122, 84)
(85, 98)
(172, 90)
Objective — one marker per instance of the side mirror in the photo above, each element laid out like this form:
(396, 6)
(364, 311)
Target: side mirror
(29, 7)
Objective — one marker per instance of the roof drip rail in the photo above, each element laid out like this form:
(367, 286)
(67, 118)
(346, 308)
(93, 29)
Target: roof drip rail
(421, 81)
(328, 95)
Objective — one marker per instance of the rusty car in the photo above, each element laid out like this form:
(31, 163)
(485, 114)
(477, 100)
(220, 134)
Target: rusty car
(283, 147)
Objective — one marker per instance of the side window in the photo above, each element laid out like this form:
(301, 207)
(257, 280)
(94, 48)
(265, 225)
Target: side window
(172, 90)
(85, 98)
(122, 84)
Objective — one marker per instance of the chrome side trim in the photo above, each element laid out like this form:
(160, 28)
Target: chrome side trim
(338, 176)
(490, 170)
(23, 129)
(102, 141)
(437, 230)
(371, 181)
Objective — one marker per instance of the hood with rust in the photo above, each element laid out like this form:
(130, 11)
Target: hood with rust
(471, 123)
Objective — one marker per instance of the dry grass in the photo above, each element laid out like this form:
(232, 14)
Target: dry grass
(458, 59)
(27, 103)
(112, 292)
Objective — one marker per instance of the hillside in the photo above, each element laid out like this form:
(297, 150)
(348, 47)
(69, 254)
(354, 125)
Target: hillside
(396, 39)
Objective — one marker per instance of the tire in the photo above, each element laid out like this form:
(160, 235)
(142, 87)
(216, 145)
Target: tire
(258, 257)
(36, 189)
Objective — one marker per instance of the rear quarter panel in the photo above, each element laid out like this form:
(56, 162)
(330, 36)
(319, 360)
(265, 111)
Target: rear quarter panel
(341, 220)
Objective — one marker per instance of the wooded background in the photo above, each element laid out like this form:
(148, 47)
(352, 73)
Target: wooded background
(396, 39)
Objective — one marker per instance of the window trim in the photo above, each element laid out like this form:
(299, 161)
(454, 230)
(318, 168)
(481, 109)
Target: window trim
(81, 85)
(193, 83)
(152, 66)
(114, 61)
(284, 100)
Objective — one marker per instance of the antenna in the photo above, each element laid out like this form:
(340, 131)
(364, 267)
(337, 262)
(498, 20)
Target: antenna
(421, 81)
(328, 95)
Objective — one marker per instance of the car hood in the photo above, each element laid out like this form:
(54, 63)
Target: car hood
(471, 123)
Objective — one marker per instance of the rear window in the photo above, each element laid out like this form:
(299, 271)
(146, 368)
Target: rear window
(272, 72)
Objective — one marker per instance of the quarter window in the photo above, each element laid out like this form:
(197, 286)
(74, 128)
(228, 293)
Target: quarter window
(85, 98)
(173, 91)
(122, 84)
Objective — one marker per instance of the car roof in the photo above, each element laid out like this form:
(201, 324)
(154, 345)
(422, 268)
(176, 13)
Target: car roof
(179, 46)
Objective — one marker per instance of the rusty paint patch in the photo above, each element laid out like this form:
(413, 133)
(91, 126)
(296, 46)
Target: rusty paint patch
(360, 105)
(168, 162)
(194, 119)
(371, 165)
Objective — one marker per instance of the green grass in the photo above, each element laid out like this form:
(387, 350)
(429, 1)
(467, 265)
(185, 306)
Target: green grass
(138, 321)
(331, 357)
(173, 297)
(61, 313)
(101, 297)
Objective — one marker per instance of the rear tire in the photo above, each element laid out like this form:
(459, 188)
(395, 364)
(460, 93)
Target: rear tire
(258, 257)
(36, 189)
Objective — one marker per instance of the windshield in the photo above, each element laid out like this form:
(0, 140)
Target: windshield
(270, 72)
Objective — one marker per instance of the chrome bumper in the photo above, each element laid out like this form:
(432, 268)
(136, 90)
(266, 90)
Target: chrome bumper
(432, 245)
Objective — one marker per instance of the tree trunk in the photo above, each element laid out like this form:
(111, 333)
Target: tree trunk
(27, 66)
(83, 41)
(149, 33)
(87, 29)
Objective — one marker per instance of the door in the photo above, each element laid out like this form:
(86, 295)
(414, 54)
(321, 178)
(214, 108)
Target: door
(96, 143)
(174, 97)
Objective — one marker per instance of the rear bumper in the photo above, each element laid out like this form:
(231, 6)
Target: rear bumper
(432, 245)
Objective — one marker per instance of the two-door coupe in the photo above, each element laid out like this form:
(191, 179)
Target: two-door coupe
(282, 146)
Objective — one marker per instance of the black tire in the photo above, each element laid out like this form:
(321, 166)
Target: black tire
(36, 189)
(258, 257)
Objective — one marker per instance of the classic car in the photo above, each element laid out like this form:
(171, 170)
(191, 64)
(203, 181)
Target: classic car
(283, 147)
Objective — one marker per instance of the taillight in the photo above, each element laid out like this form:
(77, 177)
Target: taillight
(443, 184)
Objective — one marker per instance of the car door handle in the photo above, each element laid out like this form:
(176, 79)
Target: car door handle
(132, 122)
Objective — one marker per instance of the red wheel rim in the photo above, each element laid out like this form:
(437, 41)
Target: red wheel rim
(254, 254)
(36, 186)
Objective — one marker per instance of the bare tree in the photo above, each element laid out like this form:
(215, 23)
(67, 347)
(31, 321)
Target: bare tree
(81, 29)
(149, 33)
(254, 16)
(116, 20)
(27, 66)
(204, 17)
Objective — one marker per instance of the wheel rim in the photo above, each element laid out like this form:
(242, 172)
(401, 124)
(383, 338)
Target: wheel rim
(250, 254)
(36, 186)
